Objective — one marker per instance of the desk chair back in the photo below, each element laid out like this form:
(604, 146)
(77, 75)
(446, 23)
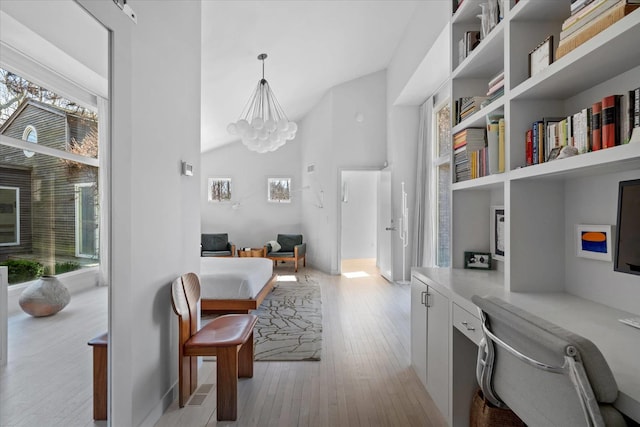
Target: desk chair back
(547, 375)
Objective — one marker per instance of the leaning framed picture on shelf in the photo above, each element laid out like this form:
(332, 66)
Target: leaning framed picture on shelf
(496, 231)
(477, 260)
(594, 241)
(541, 57)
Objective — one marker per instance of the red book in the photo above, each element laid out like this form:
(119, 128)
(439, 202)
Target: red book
(529, 147)
(610, 122)
(596, 124)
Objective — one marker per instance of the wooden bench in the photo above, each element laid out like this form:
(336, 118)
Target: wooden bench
(100, 351)
(228, 337)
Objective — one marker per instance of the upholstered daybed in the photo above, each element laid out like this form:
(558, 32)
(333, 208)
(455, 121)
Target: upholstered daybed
(234, 285)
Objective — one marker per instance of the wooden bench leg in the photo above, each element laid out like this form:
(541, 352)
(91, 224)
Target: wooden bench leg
(100, 382)
(185, 379)
(227, 383)
(245, 359)
(296, 263)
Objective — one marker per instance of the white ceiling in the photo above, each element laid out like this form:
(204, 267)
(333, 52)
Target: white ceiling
(312, 46)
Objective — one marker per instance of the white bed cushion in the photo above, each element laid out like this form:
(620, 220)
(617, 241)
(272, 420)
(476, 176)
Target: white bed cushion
(233, 278)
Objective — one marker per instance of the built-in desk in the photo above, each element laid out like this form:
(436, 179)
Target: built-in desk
(619, 343)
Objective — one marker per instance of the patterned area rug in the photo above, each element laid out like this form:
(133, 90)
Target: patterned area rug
(289, 324)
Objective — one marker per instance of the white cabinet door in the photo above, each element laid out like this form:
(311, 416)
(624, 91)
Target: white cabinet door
(419, 329)
(4, 283)
(438, 350)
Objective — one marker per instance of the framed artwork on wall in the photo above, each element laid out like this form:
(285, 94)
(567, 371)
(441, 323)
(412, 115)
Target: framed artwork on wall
(594, 241)
(219, 190)
(497, 232)
(279, 190)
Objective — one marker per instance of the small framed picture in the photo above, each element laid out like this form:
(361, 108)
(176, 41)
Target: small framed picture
(219, 190)
(553, 154)
(496, 229)
(541, 57)
(478, 260)
(594, 241)
(279, 190)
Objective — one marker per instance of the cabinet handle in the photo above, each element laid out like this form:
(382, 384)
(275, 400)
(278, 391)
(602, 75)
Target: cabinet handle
(428, 299)
(423, 294)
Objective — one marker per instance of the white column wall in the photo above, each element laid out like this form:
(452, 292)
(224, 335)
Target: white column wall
(155, 214)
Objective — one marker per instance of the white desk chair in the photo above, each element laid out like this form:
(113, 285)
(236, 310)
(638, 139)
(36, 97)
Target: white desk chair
(547, 375)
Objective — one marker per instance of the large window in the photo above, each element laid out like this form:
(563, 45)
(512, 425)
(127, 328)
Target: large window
(49, 216)
(441, 179)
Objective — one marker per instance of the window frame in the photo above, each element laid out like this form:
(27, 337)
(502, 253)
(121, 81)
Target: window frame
(436, 161)
(16, 213)
(29, 130)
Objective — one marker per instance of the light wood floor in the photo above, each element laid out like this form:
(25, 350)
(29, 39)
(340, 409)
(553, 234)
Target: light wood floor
(363, 379)
(48, 378)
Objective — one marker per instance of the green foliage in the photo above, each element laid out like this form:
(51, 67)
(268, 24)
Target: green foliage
(22, 270)
(63, 267)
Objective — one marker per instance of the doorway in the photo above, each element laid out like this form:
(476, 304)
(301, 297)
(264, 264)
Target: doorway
(359, 200)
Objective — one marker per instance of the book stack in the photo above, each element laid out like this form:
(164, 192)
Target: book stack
(469, 41)
(496, 88)
(606, 123)
(590, 17)
(467, 105)
(470, 154)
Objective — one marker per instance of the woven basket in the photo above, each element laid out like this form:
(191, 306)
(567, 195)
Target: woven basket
(484, 414)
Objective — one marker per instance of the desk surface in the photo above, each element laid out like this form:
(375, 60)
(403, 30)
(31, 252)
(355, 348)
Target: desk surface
(619, 343)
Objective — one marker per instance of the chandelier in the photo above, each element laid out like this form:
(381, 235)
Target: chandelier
(263, 126)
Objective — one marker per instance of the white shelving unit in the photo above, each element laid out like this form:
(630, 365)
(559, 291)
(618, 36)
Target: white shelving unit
(576, 80)
(540, 271)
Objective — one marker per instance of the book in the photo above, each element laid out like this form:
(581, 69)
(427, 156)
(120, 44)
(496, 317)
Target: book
(610, 121)
(501, 147)
(493, 147)
(498, 77)
(596, 7)
(636, 108)
(495, 87)
(601, 23)
(626, 117)
(528, 147)
(541, 142)
(581, 23)
(596, 125)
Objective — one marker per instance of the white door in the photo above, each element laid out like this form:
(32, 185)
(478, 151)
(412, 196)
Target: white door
(386, 225)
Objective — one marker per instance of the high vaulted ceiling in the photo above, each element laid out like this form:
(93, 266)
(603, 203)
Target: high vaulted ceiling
(312, 46)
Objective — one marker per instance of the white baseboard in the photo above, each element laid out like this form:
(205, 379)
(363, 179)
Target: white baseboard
(156, 413)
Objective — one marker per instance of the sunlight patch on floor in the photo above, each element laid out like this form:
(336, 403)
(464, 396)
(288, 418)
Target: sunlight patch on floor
(356, 274)
(286, 278)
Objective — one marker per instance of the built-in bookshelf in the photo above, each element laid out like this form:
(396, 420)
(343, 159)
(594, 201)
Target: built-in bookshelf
(539, 224)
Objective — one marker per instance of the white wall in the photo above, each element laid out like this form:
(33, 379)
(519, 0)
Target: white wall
(332, 139)
(403, 146)
(315, 136)
(155, 211)
(403, 120)
(254, 221)
(359, 214)
(588, 278)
